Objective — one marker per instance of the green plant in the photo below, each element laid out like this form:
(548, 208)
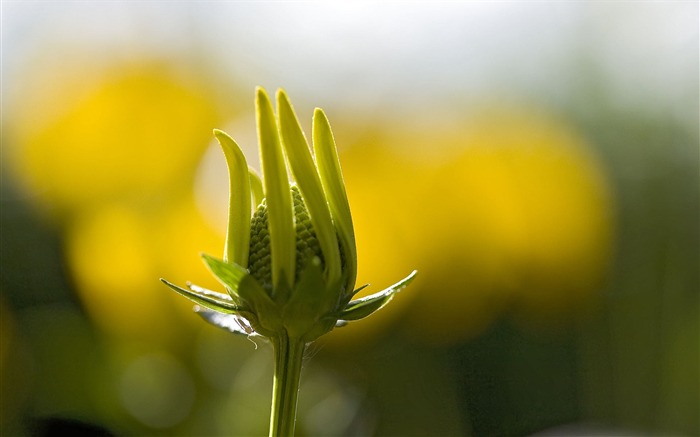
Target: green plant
(290, 263)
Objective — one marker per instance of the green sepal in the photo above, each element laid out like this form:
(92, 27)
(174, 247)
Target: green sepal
(206, 300)
(358, 289)
(305, 306)
(202, 290)
(314, 292)
(347, 297)
(246, 290)
(229, 274)
(363, 307)
(230, 322)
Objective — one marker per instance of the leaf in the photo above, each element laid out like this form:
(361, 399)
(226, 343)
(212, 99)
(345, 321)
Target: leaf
(309, 182)
(361, 308)
(206, 300)
(278, 194)
(238, 232)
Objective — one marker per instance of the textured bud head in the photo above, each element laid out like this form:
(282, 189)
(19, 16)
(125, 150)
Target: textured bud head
(307, 245)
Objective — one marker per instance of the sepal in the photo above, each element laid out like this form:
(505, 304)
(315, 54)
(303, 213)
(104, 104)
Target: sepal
(309, 301)
(363, 307)
(230, 322)
(358, 289)
(247, 291)
(229, 274)
(212, 301)
(202, 290)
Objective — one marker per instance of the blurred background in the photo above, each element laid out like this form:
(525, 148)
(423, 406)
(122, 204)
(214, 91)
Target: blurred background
(537, 162)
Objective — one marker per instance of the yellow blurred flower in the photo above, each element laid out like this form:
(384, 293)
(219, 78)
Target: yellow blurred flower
(509, 213)
(128, 134)
(112, 158)
(115, 253)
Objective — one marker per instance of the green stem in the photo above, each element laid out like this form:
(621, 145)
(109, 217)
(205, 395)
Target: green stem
(289, 353)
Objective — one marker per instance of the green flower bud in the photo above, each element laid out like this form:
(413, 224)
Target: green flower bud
(290, 266)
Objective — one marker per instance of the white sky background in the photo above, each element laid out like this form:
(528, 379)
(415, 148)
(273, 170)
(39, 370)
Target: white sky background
(406, 53)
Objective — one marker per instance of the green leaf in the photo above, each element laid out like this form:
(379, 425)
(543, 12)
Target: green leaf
(309, 182)
(205, 300)
(334, 187)
(361, 308)
(238, 233)
(277, 193)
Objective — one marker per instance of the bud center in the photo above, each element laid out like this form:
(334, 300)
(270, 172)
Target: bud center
(307, 245)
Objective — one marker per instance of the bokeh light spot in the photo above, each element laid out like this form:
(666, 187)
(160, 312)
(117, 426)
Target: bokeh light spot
(109, 255)
(157, 390)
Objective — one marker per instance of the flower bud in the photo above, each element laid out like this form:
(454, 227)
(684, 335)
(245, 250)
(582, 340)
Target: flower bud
(290, 267)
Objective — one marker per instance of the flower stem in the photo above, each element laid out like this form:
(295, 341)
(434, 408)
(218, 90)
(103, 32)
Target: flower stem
(288, 353)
